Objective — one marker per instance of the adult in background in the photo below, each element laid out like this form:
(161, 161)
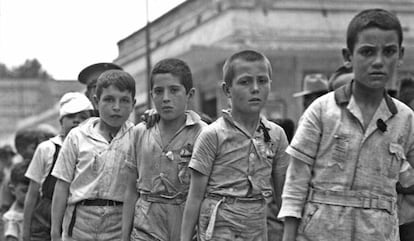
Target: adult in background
(315, 85)
(89, 75)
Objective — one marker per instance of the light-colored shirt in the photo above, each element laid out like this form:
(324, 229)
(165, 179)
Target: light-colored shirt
(162, 170)
(240, 164)
(42, 160)
(13, 222)
(94, 168)
(343, 158)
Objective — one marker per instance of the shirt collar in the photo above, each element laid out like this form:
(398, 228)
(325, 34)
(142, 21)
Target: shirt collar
(262, 120)
(344, 93)
(88, 127)
(192, 118)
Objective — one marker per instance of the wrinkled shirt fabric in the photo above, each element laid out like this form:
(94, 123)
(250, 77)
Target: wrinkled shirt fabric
(347, 190)
(163, 174)
(239, 165)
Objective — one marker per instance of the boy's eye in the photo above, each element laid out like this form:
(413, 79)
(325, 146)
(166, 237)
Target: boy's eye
(125, 100)
(262, 80)
(174, 90)
(389, 51)
(366, 52)
(158, 91)
(245, 80)
(108, 99)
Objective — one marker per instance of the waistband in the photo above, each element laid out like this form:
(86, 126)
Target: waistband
(99, 202)
(350, 198)
(157, 198)
(233, 199)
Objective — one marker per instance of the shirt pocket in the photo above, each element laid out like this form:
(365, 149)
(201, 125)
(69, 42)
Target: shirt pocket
(396, 152)
(183, 161)
(309, 213)
(340, 152)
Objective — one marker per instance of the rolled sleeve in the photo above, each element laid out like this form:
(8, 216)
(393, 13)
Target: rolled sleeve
(66, 162)
(37, 168)
(305, 143)
(204, 152)
(295, 190)
(280, 163)
(131, 160)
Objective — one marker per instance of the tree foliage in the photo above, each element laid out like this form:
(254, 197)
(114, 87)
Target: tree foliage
(31, 68)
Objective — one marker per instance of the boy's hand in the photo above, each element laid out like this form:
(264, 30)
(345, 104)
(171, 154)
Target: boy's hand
(150, 117)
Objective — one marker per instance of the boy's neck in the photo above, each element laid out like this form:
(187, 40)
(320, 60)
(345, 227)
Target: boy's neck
(108, 132)
(172, 126)
(367, 96)
(248, 121)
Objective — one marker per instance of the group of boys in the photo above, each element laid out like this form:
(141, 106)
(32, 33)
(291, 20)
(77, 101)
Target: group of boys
(102, 178)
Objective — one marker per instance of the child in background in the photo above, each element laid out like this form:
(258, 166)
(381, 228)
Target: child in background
(158, 158)
(239, 161)
(89, 193)
(25, 141)
(74, 109)
(13, 218)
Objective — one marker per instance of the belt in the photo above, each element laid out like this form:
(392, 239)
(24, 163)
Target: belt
(156, 198)
(100, 202)
(229, 200)
(350, 198)
(233, 199)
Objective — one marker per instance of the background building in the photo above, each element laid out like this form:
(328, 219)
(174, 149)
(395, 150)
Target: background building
(31, 102)
(299, 37)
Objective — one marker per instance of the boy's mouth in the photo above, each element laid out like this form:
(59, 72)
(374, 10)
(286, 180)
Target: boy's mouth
(255, 100)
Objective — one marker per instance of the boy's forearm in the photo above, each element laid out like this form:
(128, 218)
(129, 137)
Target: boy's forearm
(198, 185)
(30, 202)
(190, 217)
(60, 197)
(131, 197)
(290, 229)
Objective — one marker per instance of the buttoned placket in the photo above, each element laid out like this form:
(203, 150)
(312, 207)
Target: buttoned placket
(355, 111)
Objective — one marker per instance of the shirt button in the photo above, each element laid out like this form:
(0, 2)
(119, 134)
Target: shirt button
(252, 155)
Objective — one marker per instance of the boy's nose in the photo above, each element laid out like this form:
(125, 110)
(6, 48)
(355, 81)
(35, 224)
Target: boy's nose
(379, 60)
(255, 86)
(116, 105)
(165, 96)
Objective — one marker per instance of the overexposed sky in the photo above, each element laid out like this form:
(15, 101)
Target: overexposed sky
(67, 35)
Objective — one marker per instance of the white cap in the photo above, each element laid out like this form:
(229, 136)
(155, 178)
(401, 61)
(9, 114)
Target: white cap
(73, 102)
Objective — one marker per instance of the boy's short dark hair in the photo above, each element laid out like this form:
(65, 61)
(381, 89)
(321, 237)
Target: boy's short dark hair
(118, 78)
(175, 67)
(246, 55)
(17, 174)
(27, 136)
(372, 18)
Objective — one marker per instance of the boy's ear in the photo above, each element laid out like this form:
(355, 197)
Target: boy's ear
(12, 189)
(226, 89)
(191, 93)
(401, 57)
(95, 101)
(347, 56)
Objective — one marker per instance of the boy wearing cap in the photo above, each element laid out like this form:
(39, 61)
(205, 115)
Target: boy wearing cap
(239, 161)
(89, 75)
(91, 172)
(74, 108)
(353, 145)
(315, 85)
